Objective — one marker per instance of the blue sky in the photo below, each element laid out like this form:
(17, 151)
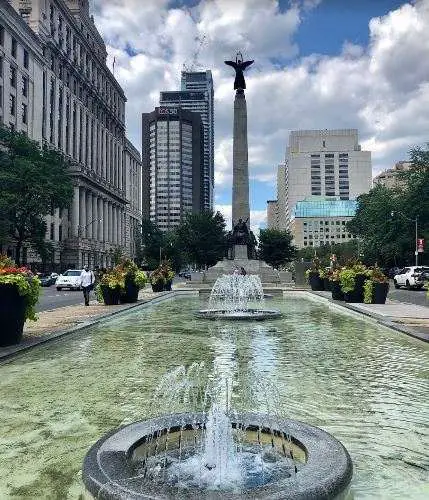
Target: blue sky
(318, 64)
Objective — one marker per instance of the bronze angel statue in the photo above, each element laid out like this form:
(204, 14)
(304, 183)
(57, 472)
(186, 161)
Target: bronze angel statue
(239, 65)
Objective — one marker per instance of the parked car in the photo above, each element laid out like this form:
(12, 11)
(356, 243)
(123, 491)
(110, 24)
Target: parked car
(46, 280)
(411, 277)
(69, 279)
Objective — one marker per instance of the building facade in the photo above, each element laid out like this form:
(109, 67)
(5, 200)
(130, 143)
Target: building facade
(133, 187)
(77, 107)
(173, 159)
(272, 214)
(321, 220)
(325, 163)
(391, 177)
(197, 95)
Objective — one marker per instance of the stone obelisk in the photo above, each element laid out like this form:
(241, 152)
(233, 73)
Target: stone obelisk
(240, 169)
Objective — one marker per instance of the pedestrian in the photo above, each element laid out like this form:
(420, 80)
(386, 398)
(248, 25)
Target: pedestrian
(236, 272)
(243, 271)
(87, 280)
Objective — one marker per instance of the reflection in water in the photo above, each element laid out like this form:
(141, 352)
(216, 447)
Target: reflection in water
(367, 386)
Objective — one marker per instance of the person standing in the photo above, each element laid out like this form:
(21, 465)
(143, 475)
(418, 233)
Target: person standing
(87, 280)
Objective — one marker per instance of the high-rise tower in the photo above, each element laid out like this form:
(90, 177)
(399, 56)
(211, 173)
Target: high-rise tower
(197, 95)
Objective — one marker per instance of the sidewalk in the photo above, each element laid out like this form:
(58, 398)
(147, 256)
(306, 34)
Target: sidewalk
(404, 317)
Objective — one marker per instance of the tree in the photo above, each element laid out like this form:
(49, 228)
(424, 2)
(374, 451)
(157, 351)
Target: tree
(275, 247)
(34, 181)
(202, 238)
(148, 244)
(343, 251)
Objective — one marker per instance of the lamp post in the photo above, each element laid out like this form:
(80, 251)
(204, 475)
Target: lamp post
(416, 222)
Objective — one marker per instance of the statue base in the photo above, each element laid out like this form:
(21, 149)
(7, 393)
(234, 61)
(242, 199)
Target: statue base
(251, 266)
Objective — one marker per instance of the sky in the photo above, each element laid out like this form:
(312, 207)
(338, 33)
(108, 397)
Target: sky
(318, 64)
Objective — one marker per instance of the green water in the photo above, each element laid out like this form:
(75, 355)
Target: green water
(364, 384)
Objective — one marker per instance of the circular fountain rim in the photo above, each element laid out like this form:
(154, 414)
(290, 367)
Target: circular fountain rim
(243, 314)
(327, 472)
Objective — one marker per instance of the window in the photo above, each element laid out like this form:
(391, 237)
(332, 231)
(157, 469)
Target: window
(24, 86)
(26, 59)
(14, 48)
(12, 104)
(24, 113)
(13, 77)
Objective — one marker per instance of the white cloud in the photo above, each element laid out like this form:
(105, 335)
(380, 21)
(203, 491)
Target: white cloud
(381, 89)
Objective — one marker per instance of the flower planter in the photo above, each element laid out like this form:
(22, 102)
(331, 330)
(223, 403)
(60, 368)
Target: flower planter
(327, 284)
(379, 293)
(111, 296)
(158, 286)
(316, 282)
(167, 286)
(337, 293)
(356, 295)
(130, 294)
(12, 314)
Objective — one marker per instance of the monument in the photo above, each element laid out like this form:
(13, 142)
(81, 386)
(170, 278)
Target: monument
(241, 242)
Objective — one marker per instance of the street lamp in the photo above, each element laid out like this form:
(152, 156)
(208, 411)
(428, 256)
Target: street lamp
(416, 221)
(80, 228)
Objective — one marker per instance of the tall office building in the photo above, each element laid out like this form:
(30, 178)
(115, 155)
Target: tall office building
(60, 91)
(197, 95)
(173, 160)
(272, 214)
(326, 163)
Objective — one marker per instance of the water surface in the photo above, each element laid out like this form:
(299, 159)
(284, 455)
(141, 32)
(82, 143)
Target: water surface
(366, 385)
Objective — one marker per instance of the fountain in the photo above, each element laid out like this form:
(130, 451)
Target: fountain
(213, 451)
(230, 298)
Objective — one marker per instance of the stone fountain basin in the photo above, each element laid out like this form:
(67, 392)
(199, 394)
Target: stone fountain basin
(108, 471)
(240, 314)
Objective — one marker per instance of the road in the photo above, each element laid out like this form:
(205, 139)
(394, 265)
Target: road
(411, 296)
(50, 298)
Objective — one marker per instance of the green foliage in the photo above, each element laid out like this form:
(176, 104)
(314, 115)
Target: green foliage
(28, 285)
(385, 218)
(98, 293)
(348, 275)
(275, 247)
(148, 244)
(368, 288)
(202, 238)
(34, 181)
(125, 270)
(162, 274)
(344, 252)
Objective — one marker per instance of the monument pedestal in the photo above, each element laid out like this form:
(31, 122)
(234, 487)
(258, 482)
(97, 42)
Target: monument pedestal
(252, 266)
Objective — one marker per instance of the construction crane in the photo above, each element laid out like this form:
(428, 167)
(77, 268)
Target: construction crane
(194, 63)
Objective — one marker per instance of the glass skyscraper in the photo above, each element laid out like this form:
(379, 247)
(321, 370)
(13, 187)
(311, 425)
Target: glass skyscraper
(197, 95)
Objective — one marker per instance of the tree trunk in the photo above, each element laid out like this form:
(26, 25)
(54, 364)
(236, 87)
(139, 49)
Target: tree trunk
(18, 249)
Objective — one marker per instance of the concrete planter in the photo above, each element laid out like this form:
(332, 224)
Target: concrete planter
(12, 314)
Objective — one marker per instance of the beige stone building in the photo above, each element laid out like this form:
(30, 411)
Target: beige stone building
(390, 177)
(322, 163)
(61, 92)
(321, 220)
